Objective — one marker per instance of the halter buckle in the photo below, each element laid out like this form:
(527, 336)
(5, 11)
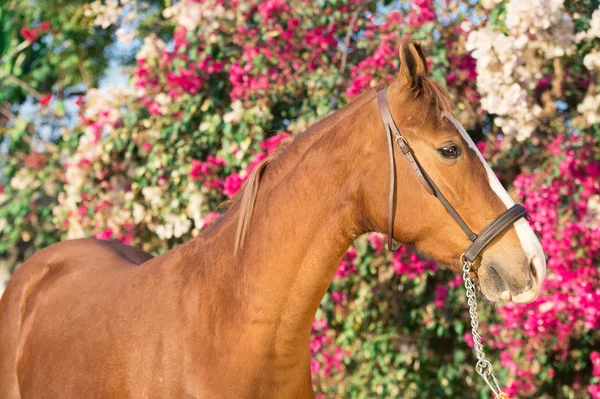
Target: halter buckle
(404, 145)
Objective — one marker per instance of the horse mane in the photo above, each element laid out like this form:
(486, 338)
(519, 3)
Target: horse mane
(247, 194)
(432, 92)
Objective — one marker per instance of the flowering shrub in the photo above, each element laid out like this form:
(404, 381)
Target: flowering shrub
(217, 85)
(564, 198)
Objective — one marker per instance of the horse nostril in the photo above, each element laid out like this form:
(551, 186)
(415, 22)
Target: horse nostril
(533, 276)
(532, 270)
(537, 273)
(529, 285)
(536, 270)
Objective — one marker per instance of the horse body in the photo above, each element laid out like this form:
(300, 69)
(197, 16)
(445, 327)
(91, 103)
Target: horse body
(213, 318)
(63, 337)
(94, 318)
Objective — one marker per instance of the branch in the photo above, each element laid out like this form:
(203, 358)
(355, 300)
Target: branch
(22, 46)
(84, 75)
(558, 78)
(6, 111)
(348, 37)
(38, 96)
(13, 79)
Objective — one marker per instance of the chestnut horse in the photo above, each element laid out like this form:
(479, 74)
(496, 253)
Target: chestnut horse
(228, 314)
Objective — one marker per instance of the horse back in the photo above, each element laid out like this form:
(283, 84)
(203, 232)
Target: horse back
(68, 260)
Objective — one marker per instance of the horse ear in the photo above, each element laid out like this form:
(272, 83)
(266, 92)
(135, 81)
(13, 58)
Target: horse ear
(413, 64)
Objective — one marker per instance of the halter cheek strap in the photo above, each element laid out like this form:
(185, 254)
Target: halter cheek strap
(478, 243)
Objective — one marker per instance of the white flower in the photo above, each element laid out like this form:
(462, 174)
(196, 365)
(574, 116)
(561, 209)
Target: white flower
(126, 36)
(204, 126)
(589, 108)
(592, 217)
(191, 16)
(152, 48)
(75, 230)
(533, 16)
(594, 30)
(105, 14)
(490, 4)
(236, 113)
(106, 103)
(592, 60)
(510, 65)
(22, 180)
(139, 213)
(174, 226)
(4, 275)
(194, 209)
(154, 196)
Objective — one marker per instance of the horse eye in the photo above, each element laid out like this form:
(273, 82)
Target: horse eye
(450, 151)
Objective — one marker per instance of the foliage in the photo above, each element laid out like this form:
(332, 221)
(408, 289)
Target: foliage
(216, 85)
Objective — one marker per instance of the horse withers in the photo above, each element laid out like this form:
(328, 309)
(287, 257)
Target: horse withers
(228, 314)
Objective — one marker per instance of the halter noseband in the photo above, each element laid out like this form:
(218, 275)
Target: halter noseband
(478, 242)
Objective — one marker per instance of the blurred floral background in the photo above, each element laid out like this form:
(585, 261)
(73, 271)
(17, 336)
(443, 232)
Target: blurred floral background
(134, 120)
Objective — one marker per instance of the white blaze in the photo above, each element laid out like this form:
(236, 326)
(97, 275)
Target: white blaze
(531, 245)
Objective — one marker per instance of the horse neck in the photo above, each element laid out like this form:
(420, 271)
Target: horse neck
(305, 218)
(300, 230)
(308, 211)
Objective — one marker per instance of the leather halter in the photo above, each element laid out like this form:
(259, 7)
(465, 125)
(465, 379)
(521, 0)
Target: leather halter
(478, 242)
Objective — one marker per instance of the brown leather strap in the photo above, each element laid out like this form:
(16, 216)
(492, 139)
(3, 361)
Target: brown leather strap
(426, 182)
(392, 246)
(494, 229)
(479, 243)
(461, 223)
(390, 125)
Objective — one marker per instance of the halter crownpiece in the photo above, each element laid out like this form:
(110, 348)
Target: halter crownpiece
(478, 242)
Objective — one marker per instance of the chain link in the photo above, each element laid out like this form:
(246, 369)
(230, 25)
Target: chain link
(483, 366)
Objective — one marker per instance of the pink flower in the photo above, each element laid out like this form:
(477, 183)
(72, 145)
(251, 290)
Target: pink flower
(271, 144)
(338, 297)
(441, 292)
(319, 324)
(45, 26)
(315, 366)
(210, 218)
(594, 391)
(30, 34)
(450, 78)
(232, 184)
(468, 338)
(45, 100)
(199, 170)
(179, 37)
(35, 160)
(106, 234)
(126, 239)
(346, 267)
(376, 240)
(595, 358)
(215, 161)
(315, 344)
(422, 3)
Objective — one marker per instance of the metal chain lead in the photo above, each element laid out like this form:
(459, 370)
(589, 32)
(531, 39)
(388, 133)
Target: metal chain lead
(483, 366)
